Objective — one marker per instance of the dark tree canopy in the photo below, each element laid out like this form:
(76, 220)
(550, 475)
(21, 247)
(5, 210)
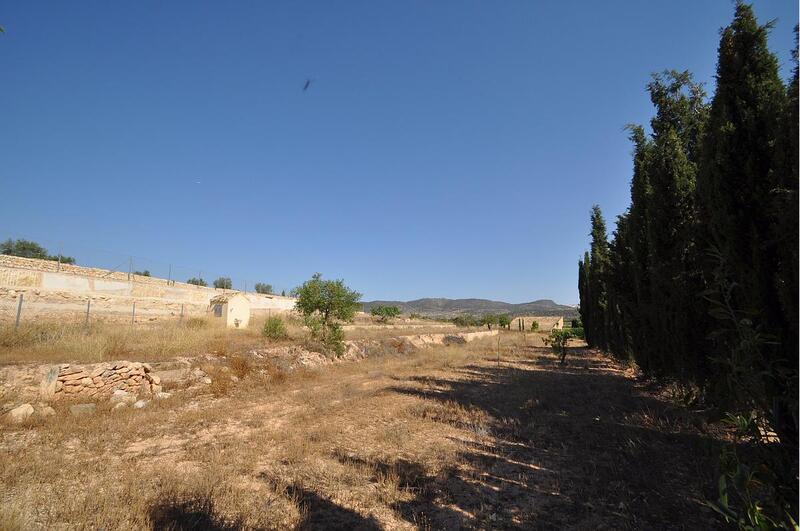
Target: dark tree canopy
(30, 249)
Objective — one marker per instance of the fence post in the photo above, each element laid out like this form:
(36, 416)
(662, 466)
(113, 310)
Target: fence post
(88, 305)
(181, 312)
(133, 313)
(19, 311)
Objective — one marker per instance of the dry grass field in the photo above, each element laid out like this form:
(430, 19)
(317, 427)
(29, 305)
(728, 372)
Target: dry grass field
(444, 438)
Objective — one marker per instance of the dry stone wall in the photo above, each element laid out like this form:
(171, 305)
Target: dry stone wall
(90, 382)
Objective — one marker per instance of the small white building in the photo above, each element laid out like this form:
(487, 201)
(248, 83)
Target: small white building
(233, 307)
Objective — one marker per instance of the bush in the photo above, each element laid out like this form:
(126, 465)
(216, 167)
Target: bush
(144, 273)
(265, 289)
(534, 326)
(197, 282)
(576, 323)
(504, 321)
(275, 329)
(223, 283)
(384, 313)
(577, 332)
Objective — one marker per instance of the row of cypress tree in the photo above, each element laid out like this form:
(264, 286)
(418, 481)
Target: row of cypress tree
(699, 281)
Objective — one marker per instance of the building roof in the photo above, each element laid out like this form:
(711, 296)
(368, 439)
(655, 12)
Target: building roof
(222, 298)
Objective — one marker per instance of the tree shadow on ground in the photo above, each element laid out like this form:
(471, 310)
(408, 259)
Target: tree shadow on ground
(195, 514)
(319, 513)
(571, 446)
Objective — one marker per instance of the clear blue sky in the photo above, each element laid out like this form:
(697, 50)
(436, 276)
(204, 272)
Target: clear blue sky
(443, 149)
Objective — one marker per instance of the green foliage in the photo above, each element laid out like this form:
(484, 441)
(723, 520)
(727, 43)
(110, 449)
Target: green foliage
(197, 282)
(275, 329)
(323, 304)
(465, 320)
(504, 321)
(576, 323)
(144, 273)
(559, 340)
(283, 293)
(699, 282)
(262, 288)
(223, 283)
(489, 320)
(534, 326)
(385, 313)
(30, 249)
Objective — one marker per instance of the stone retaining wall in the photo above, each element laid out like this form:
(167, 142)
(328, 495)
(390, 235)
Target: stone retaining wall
(52, 291)
(82, 382)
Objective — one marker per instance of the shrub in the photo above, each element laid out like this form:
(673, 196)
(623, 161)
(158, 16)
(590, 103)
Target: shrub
(275, 329)
(385, 313)
(144, 273)
(576, 323)
(197, 282)
(265, 289)
(534, 326)
(223, 283)
(504, 321)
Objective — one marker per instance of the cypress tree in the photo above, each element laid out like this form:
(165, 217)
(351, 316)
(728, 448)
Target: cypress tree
(735, 191)
(598, 265)
(670, 212)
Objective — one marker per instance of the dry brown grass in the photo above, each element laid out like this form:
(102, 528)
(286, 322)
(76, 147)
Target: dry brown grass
(74, 342)
(445, 438)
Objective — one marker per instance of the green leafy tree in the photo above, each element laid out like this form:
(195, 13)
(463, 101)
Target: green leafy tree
(504, 321)
(490, 320)
(144, 273)
(223, 283)
(324, 304)
(265, 289)
(197, 281)
(385, 313)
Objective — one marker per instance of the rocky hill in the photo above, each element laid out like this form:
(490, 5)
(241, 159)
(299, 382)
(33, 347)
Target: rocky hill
(477, 307)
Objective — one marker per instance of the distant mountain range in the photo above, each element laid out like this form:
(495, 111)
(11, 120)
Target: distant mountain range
(477, 307)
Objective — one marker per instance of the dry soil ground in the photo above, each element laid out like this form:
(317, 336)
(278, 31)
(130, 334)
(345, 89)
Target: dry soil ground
(445, 438)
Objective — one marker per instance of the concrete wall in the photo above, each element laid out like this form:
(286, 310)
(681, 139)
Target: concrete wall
(50, 291)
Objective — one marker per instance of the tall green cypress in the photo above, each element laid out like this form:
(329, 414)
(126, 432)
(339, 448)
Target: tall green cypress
(598, 266)
(640, 324)
(736, 186)
(670, 212)
(583, 291)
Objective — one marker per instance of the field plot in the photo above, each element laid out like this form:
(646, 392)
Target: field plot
(464, 436)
